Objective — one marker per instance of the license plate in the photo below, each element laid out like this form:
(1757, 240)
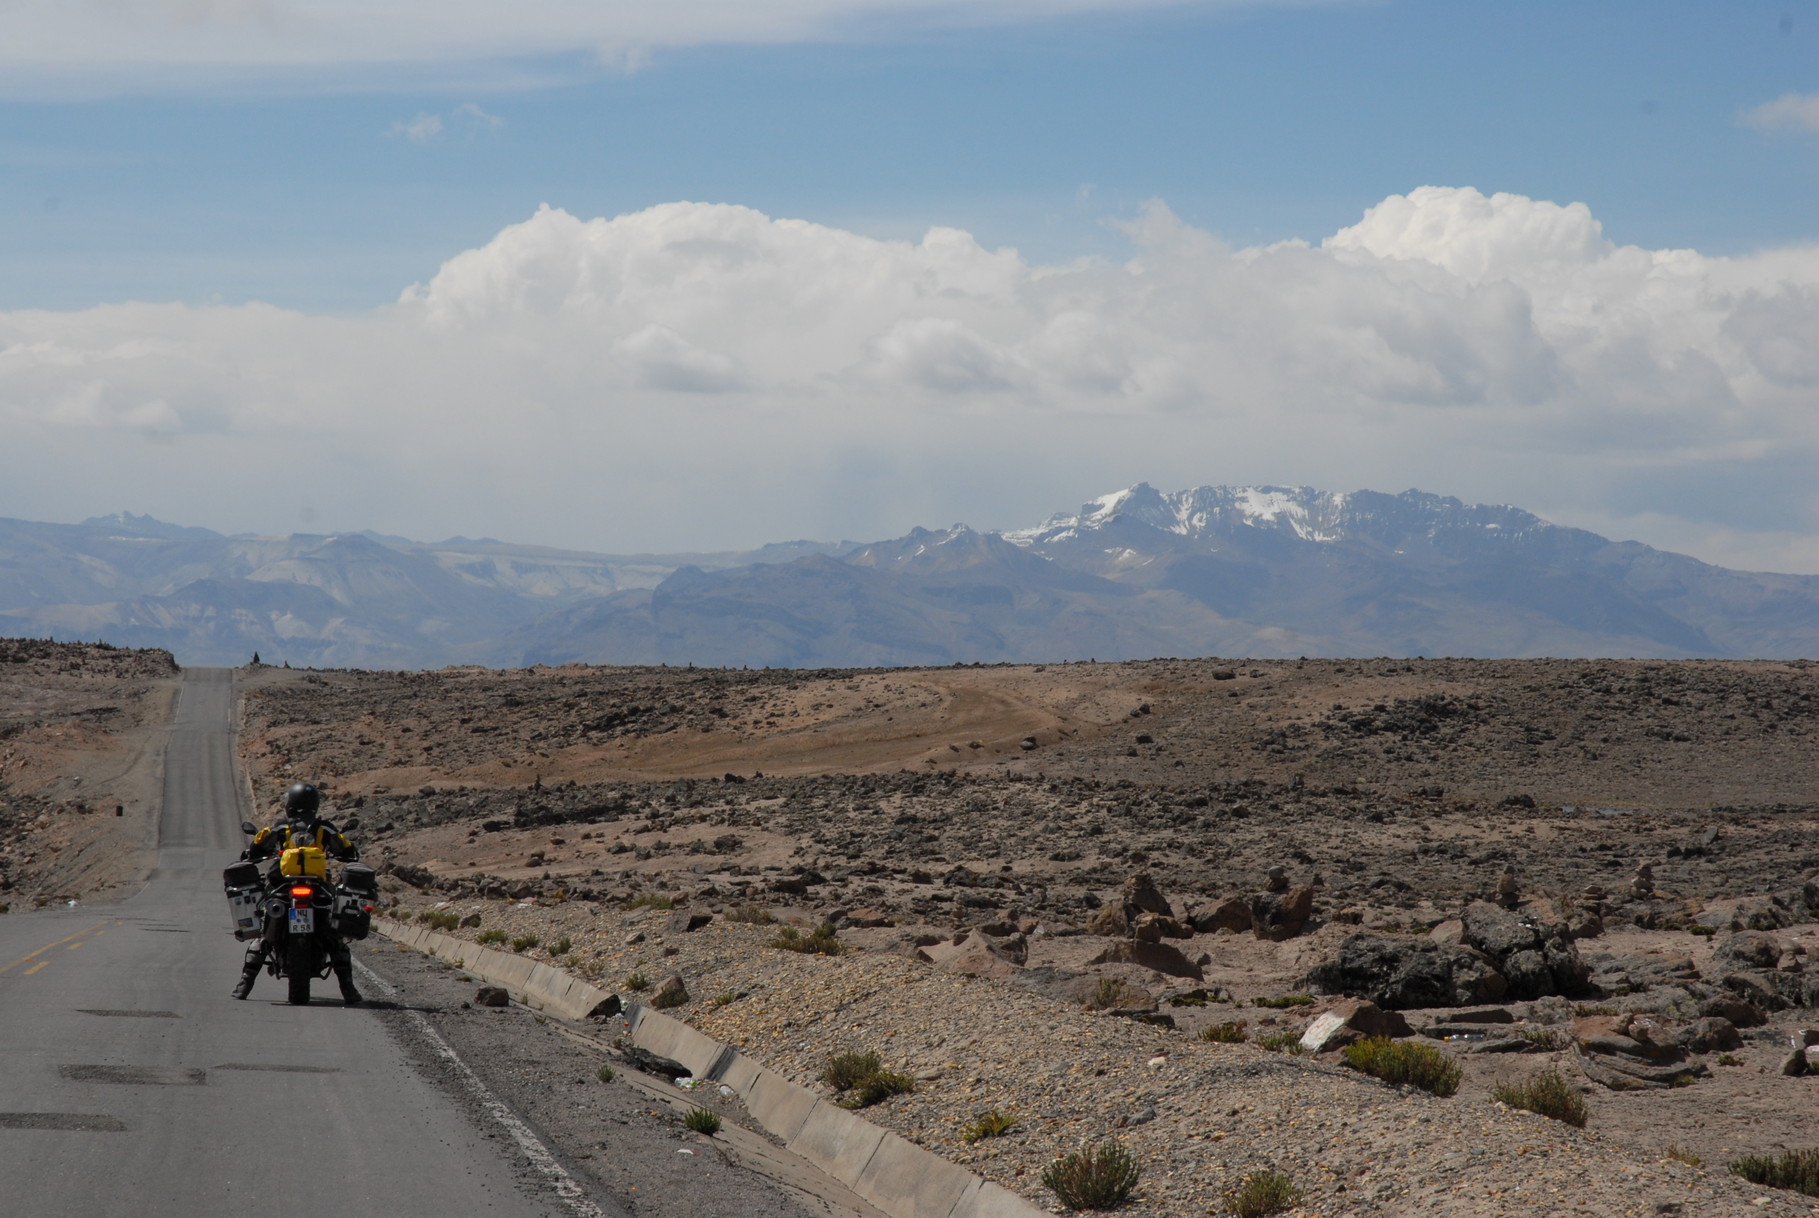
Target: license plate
(303, 921)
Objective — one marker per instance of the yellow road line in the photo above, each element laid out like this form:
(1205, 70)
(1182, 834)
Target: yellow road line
(34, 968)
(46, 948)
(72, 947)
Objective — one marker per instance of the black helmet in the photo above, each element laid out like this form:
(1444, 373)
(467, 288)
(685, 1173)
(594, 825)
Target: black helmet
(301, 802)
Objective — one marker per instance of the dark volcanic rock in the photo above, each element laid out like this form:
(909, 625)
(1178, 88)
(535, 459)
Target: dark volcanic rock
(1535, 958)
(1401, 973)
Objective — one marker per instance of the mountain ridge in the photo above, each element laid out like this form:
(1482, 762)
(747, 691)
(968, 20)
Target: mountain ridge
(1211, 570)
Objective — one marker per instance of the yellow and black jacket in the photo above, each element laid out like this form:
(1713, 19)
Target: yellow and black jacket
(282, 836)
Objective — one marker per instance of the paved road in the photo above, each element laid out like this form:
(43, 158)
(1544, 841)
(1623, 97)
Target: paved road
(131, 1085)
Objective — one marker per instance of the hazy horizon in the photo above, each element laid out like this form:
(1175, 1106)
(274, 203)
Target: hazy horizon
(695, 278)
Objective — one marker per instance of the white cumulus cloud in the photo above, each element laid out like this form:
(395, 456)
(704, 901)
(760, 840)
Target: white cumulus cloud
(703, 375)
(1795, 111)
(120, 45)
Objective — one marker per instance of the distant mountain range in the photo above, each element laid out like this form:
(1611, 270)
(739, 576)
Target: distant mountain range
(1237, 571)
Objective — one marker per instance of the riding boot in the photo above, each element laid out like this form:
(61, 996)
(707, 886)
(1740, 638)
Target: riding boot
(344, 973)
(249, 972)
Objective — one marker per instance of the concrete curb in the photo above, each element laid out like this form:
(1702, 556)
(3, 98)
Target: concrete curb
(899, 1177)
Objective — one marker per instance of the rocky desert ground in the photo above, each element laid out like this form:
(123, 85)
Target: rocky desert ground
(81, 729)
(1115, 901)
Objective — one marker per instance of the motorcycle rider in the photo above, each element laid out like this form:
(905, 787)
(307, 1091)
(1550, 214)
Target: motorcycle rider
(301, 826)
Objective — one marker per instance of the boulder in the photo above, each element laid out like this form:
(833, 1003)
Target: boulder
(491, 996)
(1281, 915)
(1230, 914)
(1399, 973)
(977, 955)
(1536, 958)
(1632, 1053)
(1142, 896)
(670, 992)
(1498, 932)
(1585, 924)
(1352, 1020)
(1157, 956)
(1109, 922)
(1710, 1034)
(1760, 990)
(1450, 932)
(1153, 928)
(1734, 1009)
(683, 921)
(1746, 950)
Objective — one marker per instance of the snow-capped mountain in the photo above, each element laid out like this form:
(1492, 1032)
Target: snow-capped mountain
(1214, 570)
(1209, 515)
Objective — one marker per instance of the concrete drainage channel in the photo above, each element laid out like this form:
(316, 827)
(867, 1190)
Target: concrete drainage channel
(897, 1177)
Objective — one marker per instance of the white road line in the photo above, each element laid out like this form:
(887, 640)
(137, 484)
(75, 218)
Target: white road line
(534, 1150)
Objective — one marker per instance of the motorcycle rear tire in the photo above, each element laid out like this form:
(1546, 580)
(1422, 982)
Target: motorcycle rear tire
(298, 968)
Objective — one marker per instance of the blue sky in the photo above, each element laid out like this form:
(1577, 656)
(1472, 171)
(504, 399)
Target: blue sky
(1226, 268)
(1255, 122)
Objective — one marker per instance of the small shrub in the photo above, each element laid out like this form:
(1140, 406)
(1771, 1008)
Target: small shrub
(1795, 1170)
(1262, 1193)
(604, 1074)
(1705, 932)
(756, 915)
(561, 946)
(1586, 1009)
(993, 1124)
(1729, 1059)
(702, 1121)
(862, 1078)
(1280, 1042)
(822, 941)
(1286, 1000)
(1545, 1038)
(637, 983)
(1400, 1062)
(1231, 1032)
(652, 900)
(1106, 994)
(1096, 1178)
(1547, 1093)
(1683, 1155)
(494, 935)
(845, 1069)
(725, 1000)
(524, 943)
(878, 1088)
(439, 919)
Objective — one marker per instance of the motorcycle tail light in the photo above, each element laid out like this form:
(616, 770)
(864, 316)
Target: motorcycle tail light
(367, 908)
(302, 890)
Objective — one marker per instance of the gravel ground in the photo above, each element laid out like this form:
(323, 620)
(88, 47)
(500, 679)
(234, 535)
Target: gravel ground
(623, 1148)
(1198, 1116)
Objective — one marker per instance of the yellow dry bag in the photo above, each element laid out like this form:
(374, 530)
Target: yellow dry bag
(304, 860)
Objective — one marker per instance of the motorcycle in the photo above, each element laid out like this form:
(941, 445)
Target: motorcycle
(302, 919)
